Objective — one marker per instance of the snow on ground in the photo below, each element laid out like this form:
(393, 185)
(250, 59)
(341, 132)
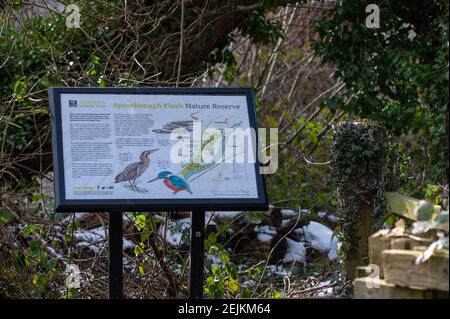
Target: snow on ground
(248, 283)
(296, 252)
(209, 220)
(94, 239)
(332, 218)
(128, 244)
(278, 270)
(90, 235)
(326, 291)
(175, 231)
(213, 259)
(270, 230)
(72, 217)
(264, 238)
(321, 214)
(288, 213)
(230, 215)
(321, 239)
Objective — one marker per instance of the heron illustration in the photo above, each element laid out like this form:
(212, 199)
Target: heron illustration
(135, 170)
(173, 182)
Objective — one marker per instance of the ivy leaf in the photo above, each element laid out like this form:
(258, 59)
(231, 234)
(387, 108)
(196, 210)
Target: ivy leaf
(232, 285)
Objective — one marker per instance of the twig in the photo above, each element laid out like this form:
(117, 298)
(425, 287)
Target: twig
(180, 59)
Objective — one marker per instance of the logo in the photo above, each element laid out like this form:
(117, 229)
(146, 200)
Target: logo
(373, 19)
(73, 276)
(73, 16)
(374, 272)
(73, 103)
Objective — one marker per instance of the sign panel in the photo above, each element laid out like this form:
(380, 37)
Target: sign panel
(120, 149)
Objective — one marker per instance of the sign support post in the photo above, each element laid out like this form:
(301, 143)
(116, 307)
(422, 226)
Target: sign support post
(115, 238)
(197, 254)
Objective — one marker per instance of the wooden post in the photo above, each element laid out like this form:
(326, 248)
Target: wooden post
(363, 232)
(358, 165)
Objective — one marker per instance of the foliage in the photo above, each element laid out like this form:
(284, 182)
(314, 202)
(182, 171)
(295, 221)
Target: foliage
(118, 44)
(289, 80)
(223, 280)
(396, 74)
(31, 266)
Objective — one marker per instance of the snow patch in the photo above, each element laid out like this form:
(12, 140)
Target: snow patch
(214, 260)
(90, 235)
(332, 218)
(128, 244)
(175, 231)
(326, 291)
(296, 252)
(73, 217)
(278, 270)
(265, 238)
(321, 214)
(209, 220)
(288, 213)
(94, 239)
(321, 239)
(266, 229)
(230, 215)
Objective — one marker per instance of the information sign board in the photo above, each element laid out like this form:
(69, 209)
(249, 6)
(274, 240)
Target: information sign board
(132, 149)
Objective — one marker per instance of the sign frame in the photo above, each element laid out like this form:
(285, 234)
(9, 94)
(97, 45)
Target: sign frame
(122, 205)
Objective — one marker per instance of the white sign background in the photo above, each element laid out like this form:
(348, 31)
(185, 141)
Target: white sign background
(100, 139)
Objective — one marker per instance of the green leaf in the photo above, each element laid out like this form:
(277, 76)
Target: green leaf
(30, 229)
(232, 285)
(139, 249)
(95, 59)
(275, 295)
(5, 216)
(140, 222)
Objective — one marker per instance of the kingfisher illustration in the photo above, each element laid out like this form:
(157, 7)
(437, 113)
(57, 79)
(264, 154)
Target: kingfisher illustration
(173, 182)
(135, 170)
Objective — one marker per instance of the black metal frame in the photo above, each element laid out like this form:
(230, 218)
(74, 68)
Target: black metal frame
(115, 251)
(197, 254)
(121, 205)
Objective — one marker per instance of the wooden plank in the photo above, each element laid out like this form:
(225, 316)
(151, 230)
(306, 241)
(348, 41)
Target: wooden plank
(404, 205)
(385, 240)
(377, 244)
(400, 269)
(402, 243)
(372, 288)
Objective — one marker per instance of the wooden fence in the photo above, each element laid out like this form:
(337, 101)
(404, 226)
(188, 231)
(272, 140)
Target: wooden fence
(393, 271)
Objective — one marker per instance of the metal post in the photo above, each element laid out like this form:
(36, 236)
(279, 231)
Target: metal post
(115, 234)
(197, 254)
